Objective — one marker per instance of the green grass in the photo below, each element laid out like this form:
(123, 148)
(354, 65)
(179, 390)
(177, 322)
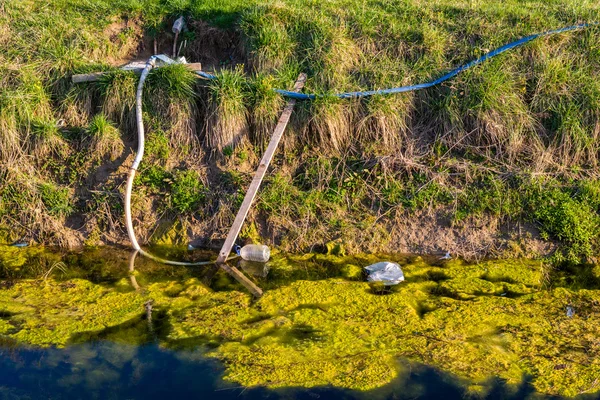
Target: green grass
(187, 192)
(105, 139)
(473, 146)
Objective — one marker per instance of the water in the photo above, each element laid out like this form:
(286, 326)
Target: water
(105, 370)
(102, 324)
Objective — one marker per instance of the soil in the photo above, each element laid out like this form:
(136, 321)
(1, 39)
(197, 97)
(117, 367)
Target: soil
(423, 232)
(433, 233)
(213, 47)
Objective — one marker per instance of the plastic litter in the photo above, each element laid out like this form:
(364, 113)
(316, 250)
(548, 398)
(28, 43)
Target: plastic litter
(255, 252)
(387, 272)
(20, 244)
(446, 257)
(179, 25)
(570, 312)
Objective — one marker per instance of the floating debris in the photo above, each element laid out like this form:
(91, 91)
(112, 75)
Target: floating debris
(387, 272)
(255, 252)
(570, 311)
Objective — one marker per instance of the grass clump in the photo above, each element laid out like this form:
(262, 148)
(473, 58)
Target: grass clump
(226, 119)
(46, 139)
(105, 139)
(118, 98)
(265, 110)
(172, 99)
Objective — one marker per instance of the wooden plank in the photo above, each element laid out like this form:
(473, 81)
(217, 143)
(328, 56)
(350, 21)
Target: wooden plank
(80, 78)
(243, 279)
(259, 174)
(95, 76)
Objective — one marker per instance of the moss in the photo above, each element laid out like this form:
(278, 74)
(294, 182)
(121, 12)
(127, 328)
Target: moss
(320, 324)
(50, 313)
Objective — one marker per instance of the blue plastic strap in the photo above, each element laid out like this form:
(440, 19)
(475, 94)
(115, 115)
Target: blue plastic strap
(451, 74)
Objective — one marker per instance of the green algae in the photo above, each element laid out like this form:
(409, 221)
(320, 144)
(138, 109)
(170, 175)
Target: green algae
(319, 323)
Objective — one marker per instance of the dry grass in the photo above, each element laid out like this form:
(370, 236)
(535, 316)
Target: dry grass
(104, 139)
(226, 113)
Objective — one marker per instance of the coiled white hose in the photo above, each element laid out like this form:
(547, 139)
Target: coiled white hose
(136, 162)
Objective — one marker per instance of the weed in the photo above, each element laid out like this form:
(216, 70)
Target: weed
(567, 219)
(187, 191)
(157, 145)
(155, 178)
(56, 199)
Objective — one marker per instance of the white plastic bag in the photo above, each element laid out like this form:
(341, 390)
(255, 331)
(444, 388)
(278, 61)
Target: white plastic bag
(387, 272)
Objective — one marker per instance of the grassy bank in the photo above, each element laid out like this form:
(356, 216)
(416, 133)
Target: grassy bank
(513, 141)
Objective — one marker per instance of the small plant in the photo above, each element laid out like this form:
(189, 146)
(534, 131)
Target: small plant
(157, 145)
(228, 151)
(56, 199)
(155, 178)
(567, 219)
(187, 191)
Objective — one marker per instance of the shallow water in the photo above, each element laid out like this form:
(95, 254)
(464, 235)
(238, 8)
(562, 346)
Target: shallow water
(106, 369)
(93, 325)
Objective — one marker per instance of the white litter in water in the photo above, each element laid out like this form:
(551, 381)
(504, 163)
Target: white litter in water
(570, 312)
(385, 271)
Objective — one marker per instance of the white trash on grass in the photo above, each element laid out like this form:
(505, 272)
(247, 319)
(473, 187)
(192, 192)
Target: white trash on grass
(387, 272)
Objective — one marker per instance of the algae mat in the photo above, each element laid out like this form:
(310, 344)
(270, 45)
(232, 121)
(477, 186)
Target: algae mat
(320, 324)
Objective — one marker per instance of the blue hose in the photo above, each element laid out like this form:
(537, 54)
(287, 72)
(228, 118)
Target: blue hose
(451, 74)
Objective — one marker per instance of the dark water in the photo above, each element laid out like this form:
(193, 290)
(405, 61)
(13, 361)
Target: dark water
(107, 370)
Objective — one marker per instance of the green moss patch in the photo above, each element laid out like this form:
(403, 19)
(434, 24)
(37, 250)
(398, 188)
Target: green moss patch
(318, 323)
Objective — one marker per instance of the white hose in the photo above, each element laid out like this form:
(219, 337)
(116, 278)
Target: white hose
(136, 162)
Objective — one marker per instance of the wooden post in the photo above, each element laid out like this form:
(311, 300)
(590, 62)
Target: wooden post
(258, 177)
(241, 278)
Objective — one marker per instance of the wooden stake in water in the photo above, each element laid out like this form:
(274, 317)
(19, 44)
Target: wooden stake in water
(258, 176)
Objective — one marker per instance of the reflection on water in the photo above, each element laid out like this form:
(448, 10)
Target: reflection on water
(111, 325)
(104, 370)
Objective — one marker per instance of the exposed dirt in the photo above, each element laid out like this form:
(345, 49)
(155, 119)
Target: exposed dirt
(128, 34)
(201, 43)
(214, 47)
(434, 233)
(419, 233)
